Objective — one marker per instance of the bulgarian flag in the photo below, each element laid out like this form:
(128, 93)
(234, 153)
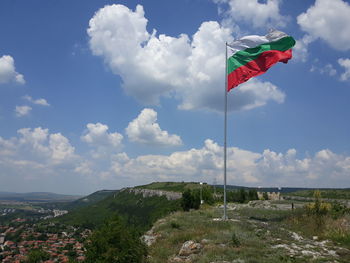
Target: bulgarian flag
(252, 56)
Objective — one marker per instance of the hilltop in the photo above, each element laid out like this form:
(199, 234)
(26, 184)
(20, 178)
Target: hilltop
(261, 231)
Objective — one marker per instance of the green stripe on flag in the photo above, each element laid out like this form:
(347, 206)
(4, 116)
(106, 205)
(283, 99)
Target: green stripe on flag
(245, 56)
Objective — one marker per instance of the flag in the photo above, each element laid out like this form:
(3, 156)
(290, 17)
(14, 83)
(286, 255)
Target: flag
(252, 56)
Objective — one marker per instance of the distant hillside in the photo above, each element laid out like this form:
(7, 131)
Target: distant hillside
(171, 186)
(135, 210)
(325, 193)
(90, 199)
(283, 190)
(37, 197)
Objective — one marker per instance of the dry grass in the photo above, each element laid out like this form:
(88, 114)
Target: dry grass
(255, 232)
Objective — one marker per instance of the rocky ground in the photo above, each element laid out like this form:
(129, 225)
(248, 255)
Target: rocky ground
(202, 236)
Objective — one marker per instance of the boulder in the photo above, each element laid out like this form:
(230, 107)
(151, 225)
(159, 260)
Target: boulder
(190, 247)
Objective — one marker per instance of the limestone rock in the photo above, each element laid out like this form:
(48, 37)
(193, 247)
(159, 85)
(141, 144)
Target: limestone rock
(190, 247)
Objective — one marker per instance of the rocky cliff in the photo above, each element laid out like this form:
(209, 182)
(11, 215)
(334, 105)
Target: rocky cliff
(148, 193)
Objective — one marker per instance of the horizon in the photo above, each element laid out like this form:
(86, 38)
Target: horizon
(117, 94)
(229, 185)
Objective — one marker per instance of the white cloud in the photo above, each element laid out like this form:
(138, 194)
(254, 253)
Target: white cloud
(22, 110)
(36, 160)
(324, 169)
(254, 93)
(36, 155)
(39, 146)
(328, 69)
(300, 50)
(345, 62)
(153, 66)
(60, 148)
(145, 129)
(102, 142)
(8, 71)
(40, 101)
(328, 20)
(255, 13)
(52, 148)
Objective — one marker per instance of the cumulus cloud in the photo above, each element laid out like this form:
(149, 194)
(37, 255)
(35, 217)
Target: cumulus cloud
(345, 63)
(40, 101)
(37, 160)
(254, 94)
(152, 65)
(328, 69)
(300, 50)
(102, 142)
(38, 146)
(328, 20)
(60, 148)
(8, 71)
(324, 169)
(36, 154)
(254, 12)
(22, 110)
(145, 129)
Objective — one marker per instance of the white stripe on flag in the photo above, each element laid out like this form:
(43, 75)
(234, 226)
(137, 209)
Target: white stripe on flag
(253, 41)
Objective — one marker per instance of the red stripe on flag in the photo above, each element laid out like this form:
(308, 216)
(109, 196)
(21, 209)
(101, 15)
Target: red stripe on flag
(257, 67)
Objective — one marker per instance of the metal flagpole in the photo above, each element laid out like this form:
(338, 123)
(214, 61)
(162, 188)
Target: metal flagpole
(225, 135)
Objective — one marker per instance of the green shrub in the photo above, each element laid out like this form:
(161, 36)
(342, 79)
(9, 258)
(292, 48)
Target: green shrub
(235, 241)
(37, 255)
(190, 200)
(265, 196)
(174, 225)
(115, 243)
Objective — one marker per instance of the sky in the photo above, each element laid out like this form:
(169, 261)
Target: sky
(105, 94)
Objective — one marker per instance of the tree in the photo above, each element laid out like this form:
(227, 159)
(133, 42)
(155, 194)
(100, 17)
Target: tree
(37, 255)
(115, 243)
(265, 196)
(207, 195)
(190, 200)
(253, 194)
(242, 195)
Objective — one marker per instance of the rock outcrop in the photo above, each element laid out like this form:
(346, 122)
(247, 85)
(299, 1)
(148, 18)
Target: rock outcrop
(149, 193)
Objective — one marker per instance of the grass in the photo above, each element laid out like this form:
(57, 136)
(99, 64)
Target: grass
(249, 236)
(226, 240)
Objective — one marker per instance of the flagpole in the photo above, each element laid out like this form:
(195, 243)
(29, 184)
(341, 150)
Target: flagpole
(225, 135)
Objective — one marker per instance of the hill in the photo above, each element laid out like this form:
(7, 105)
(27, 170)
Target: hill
(37, 197)
(90, 199)
(325, 193)
(264, 232)
(302, 191)
(136, 209)
(171, 186)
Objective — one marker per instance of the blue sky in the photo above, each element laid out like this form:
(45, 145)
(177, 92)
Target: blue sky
(108, 94)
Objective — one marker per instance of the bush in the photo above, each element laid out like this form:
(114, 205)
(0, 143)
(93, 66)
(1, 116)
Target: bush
(115, 243)
(265, 196)
(190, 200)
(207, 196)
(241, 195)
(253, 194)
(339, 210)
(174, 225)
(235, 240)
(37, 255)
